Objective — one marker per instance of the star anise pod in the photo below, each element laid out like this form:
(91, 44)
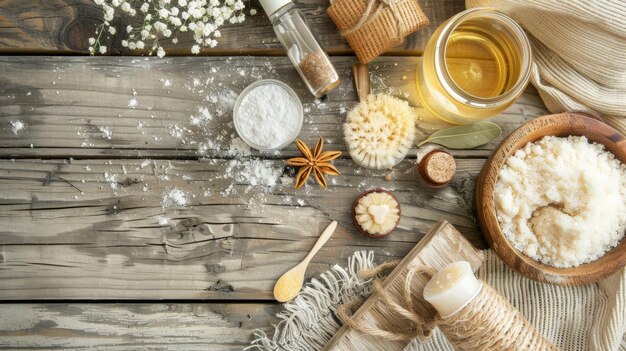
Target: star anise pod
(315, 161)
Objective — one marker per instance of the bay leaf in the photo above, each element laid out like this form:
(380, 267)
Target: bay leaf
(466, 136)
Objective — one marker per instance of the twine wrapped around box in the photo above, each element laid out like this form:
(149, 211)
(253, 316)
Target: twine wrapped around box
(487, 323)
(373, 26)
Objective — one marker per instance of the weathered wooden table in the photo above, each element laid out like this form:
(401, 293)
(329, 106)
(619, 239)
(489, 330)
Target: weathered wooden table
(89, 254)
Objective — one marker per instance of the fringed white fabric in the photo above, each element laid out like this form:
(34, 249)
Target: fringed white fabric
(576, 318)
(308, 322)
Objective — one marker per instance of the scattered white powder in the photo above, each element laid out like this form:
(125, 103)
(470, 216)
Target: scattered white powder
(106, 132)
(562, 201)
(286, 180)
(17, 126)
(268, 116)
(163, 220)
(177, 132)
(132, 103)
(144, 163)
(203, 117)
(174, 197)
(111, 179)
(239, 147)
(253, 172)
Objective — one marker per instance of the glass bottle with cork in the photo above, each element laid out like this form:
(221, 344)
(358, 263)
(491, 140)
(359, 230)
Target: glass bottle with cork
(303, 49)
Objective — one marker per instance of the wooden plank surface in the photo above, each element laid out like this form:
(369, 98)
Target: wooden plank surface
(63, 26)
(149, 105)
(155, 326)
(226, 244)
(96, 226)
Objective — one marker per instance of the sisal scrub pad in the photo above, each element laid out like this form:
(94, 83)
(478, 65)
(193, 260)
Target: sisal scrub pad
(380, 131)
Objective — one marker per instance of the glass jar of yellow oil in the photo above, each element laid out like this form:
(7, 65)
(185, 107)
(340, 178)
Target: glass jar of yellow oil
(474, 66)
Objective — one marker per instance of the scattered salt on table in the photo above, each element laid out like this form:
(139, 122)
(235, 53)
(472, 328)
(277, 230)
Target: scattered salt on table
(174, 197)
(17, 126)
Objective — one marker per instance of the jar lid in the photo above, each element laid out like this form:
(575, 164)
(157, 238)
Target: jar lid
(437, 168)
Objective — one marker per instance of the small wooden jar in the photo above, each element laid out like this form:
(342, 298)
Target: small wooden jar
(436, 169)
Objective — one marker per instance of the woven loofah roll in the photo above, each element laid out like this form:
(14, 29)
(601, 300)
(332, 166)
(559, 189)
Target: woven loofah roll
(491, 323)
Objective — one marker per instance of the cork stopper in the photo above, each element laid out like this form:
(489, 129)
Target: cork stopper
(437, 168)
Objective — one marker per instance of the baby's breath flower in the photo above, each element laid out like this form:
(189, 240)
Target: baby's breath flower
(176, 21)
(108, 12)
(160, 52)
(163, 18)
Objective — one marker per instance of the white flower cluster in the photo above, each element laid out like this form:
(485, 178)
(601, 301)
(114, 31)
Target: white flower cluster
(164, 18)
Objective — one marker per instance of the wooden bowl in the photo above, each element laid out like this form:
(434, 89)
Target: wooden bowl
(563, 124)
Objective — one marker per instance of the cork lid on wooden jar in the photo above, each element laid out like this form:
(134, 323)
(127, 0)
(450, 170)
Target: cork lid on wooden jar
(437, 168)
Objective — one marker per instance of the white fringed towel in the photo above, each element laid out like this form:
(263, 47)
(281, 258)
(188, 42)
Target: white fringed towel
(579, 53)
(576, 318)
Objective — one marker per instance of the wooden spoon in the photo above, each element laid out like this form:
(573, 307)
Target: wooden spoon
(288, 286)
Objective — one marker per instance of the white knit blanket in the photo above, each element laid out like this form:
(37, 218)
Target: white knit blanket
(585, 318)
(579, 53)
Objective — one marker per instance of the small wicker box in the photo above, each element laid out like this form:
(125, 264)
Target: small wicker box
(373, 26)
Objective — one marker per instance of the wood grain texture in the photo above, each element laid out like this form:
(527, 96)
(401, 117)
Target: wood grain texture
(564, 124)
(147, 104)
(62, 238)
(63, 26)
(232, 241)
(157, 326)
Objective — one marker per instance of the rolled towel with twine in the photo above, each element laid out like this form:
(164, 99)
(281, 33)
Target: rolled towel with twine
(487, 322)
(373, 26)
